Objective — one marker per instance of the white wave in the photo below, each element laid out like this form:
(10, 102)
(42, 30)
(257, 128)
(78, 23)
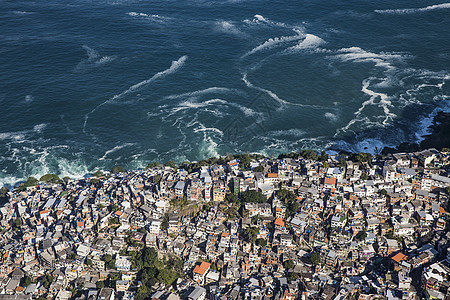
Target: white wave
(176, 65)
(211, 102)
(21, 12)
(274, 96)
(228, 27)
(290, 132)
(258, 19)
(383, 102)
(29, 98)
(217, 90)
(368, 145)
(274, 42)
(91, 53)
(208, 148)
(213, 129)
(330, 116)
(94, 59)
(310, 41)
(104, 59)
(155, 17)
(20, 135)
(356, 54)
(427, 121)
(413, 10)
(115, 149)
(38, 128)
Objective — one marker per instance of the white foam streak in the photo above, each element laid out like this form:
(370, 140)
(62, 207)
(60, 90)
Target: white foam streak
(258, 19)
(229, 28)
(116, 148)
(176, 64)
(20, 135)
(310, 41)
(154, 17)
(29, 98)
(218, 90)
(274, 42)
(356, 54)
(413, 10)
(274, 96)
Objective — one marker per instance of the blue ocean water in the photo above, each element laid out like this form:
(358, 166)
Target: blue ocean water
(86, 85)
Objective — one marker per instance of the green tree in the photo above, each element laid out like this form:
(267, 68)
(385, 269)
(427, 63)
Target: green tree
(66, 179)
(18, 222)
(88, 262)
(244, 160)
(117, 169)
(98, 173)
(326, 165)
(26, 281)
(231, 198)
(171, 164)
(251, 234)
(47, 280)
(364, 176)
(258, 169)
(361, 235)
(165, 222)
(289, 264)
(383, 192)
(142, 293)
(323, 156)
(447, 189)
(315, 258)
(115, 208)
(156, 178)
(167, 276)
(261, 242)
(309, 154)
(100, 284)
(152, 164)
(50, 178)
(252, 196)
(3, 192)
(31, 181)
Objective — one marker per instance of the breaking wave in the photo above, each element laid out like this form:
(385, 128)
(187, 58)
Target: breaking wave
(413, 10)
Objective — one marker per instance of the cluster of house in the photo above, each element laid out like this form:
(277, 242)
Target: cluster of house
(368, 230)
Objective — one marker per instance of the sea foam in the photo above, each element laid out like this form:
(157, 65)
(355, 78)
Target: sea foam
(413, 10)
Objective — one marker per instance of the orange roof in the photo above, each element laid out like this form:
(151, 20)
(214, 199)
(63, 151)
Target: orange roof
(19, 288)
(44, 211)
(442, 210)
(299, 198)
(399, 257)
(278, 209)
(202, 268)
(225, 234)
(333, 190)
(6, 254)
(272, 175)
(330, 180)
(80, 224)
(279, 222)
(118, 213)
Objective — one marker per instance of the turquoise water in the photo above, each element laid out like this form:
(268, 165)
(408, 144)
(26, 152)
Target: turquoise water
(86, 85)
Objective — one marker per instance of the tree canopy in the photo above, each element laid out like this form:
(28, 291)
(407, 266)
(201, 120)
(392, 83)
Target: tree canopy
(117, 169)
(252, 196)
(50, 178)
(251, 234)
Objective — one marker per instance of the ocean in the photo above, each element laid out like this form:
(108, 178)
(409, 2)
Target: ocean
(87, 85)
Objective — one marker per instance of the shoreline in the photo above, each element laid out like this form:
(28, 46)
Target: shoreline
(437, 137)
